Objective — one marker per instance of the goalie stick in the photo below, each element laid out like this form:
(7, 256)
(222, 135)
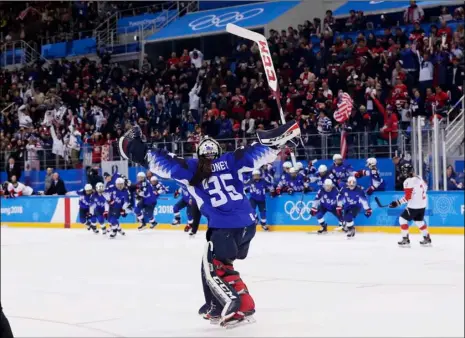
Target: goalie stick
(270, 73)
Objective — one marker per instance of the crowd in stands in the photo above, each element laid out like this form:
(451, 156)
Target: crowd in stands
(392, 77)
(44, 22)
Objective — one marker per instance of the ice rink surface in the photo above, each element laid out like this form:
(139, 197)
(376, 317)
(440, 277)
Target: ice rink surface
(72, 283)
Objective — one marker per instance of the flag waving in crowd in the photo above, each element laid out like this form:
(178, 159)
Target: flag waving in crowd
(342, 114)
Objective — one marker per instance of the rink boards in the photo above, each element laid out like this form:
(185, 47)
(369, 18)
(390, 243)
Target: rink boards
(445, 213)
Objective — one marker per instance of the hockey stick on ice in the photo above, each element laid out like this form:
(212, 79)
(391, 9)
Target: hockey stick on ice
(378, 202)
(270, 73)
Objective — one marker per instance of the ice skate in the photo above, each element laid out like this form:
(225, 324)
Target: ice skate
(350, 232)
(142, 226)
(405, 242)
(187, 228)
(104, 230)
(265, 227)
(426, 241)
(153, 224)
(239, 319)
(121, 232)
(211, 313)
(323, 230)
(88, 225)
(191, 234)
(112, 234)
(176, 221)
(94, 229)
(204, 309)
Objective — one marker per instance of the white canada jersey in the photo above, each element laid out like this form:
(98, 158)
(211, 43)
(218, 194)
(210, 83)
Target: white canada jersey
(19, 190)
(415, 193)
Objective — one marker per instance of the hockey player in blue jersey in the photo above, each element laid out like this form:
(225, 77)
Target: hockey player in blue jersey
(146, 200)
(85, 203)
(322, 175)
(294, 182)
(351, 200)
(192, 211)
(342, 171)
(325, 201)
(377, 183)
(268, 173)
(157, 186)
(99, 207)
(310, 170)
(118, 201)
(258, 187)
(213, 181)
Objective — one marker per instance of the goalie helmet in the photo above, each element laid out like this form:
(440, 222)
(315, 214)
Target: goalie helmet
(209, 148)
(406, 169)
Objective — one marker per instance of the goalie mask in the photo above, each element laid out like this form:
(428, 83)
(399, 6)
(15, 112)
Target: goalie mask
(209, 148)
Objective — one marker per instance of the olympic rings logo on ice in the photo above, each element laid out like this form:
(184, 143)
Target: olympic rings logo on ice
(298, 210)
(223, 19)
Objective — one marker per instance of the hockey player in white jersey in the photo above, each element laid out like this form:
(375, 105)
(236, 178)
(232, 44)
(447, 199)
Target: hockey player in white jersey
(416, 199)
(16, 189)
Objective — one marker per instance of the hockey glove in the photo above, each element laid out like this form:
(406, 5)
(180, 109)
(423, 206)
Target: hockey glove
(358, 174)
(290, 191)
(394, 204)
(313, 211)
(105, 214)
(176, 194)
(368, 212)
(339, 212)
(370, 190)
(278, 191)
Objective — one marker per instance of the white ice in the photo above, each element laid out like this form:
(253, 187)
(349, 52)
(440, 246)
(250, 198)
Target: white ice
(72, 283)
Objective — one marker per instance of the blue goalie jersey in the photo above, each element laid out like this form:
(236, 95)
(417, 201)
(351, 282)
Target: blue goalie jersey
(221, 199)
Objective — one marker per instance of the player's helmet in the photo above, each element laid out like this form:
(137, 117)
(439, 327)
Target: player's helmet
(337, 158)
(140, 176)
(88, 188)
(119, 183)
(371, 162)
(351, 182)
(209, 148)
(406, 169)
(153, 180)
(293, 171)
(322, 169)
(328, 185)
(287, 165)
(99, 187)
(299, 166)
(256, 174)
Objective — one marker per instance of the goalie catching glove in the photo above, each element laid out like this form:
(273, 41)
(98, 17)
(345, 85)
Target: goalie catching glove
(279, 137)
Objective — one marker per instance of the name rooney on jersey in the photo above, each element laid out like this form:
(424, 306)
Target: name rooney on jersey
(219, 166)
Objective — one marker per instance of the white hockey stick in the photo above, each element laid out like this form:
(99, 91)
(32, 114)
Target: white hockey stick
(265, 54)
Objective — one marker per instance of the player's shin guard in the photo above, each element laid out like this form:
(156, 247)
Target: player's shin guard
(227, 287)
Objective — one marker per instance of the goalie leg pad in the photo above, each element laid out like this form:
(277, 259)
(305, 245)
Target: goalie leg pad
(233, 279)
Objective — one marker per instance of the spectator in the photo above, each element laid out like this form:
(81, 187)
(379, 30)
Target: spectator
(48, 178)
(93, 177)
(13, 169)
(248, 125)
(57, 187)
(453, 182)
(194, 101)
(224, 126)
(413, 13)
(196, 58)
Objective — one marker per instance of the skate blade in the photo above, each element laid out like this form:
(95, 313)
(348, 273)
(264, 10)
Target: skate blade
(404, 246)
(426, 245)
(236, 323)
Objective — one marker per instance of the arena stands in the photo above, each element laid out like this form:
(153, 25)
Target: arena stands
(73, 110)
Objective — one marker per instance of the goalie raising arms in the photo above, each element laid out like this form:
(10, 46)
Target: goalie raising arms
(213, 180)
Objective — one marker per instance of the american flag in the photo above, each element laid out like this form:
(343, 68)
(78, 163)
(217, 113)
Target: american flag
(344, 109)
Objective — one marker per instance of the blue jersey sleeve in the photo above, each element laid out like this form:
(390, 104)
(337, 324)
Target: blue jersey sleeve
(168, 165)
(252, 157)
